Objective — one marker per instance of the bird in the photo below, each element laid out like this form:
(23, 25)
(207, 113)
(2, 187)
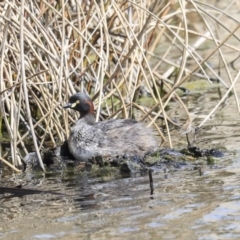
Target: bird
(111, 139)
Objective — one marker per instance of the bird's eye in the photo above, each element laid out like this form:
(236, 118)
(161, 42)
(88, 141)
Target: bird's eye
(75, 103)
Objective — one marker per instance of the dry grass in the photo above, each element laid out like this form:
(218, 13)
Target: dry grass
(117, 51)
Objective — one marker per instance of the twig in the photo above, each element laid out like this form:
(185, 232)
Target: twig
(151, 181)
(25, 91)
(10, 165)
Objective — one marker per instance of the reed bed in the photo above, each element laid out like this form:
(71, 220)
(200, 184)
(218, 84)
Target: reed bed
(117, 51)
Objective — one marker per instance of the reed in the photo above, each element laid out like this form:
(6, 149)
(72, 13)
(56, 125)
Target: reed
(117, 51)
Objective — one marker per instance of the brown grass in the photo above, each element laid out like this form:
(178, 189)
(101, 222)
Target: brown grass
(117, 51)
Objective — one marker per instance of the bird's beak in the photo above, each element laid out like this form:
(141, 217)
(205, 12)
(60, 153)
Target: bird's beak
(68, 105)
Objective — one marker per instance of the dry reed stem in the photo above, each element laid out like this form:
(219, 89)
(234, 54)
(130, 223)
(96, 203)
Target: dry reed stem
(10, 165)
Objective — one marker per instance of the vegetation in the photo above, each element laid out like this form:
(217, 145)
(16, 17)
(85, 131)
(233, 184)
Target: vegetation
(117, 51)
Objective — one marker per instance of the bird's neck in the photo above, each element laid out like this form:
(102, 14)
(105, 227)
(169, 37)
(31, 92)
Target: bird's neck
(89, 118)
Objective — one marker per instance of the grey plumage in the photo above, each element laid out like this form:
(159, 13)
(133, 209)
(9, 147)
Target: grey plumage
(111, 138)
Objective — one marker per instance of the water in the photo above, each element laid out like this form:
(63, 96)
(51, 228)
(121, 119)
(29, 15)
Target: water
(183, 206)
